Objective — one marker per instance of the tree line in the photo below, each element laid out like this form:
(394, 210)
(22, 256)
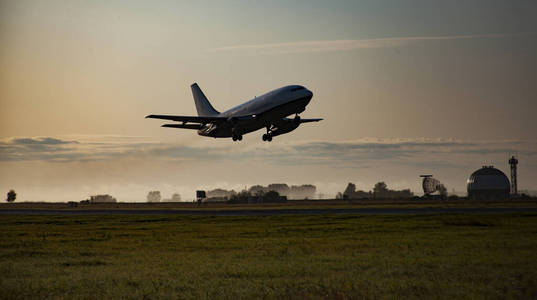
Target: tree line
(305, 191)
(380, 191)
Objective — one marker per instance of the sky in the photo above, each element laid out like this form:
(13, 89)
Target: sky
(405, 88)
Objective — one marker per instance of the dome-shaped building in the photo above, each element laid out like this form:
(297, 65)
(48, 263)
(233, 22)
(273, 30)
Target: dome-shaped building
(488, 183)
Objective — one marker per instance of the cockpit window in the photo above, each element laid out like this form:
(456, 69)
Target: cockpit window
(297, 89)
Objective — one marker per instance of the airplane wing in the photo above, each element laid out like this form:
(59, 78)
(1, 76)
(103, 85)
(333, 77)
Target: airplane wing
(184, 126)
(191, 119)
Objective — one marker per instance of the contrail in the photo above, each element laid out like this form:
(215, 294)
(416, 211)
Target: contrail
(342, 45)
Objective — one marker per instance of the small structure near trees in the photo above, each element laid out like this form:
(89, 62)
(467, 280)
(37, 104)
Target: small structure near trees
(11, 196)
(200, 196)
(102, 199)
(176, 198)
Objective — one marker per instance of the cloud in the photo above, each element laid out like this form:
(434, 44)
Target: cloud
(331, 153)
(345, 45)
(32, 148)
(40, 141)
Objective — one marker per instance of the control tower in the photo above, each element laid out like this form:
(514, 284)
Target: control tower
(514, 186)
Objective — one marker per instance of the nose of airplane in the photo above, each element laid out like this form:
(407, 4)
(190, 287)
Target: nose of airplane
(309, 93)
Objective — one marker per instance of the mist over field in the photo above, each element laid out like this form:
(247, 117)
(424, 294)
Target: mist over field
(73, 167)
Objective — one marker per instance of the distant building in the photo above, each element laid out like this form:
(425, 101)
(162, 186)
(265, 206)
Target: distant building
(102, 199)
(201, 194)
(219, 193)
(215, 199)
(488, 183)
(513, 162)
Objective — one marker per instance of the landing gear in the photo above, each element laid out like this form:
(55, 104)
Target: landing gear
(236, 134)
(268, 136)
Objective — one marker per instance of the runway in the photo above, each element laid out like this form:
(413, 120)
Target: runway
(273, 212)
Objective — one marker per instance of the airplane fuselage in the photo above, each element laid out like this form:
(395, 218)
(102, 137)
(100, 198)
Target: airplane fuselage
(261, 112)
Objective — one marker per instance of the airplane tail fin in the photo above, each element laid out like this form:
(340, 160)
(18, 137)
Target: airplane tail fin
(204, 108)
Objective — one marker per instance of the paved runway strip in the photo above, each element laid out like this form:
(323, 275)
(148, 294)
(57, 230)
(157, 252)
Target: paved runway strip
(271, 212)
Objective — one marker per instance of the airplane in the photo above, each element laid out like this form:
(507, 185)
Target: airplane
(270, 111)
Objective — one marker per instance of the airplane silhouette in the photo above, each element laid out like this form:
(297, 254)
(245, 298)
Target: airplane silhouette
(268, 111)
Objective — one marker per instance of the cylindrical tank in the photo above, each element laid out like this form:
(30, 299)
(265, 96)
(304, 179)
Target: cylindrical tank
(488, 183)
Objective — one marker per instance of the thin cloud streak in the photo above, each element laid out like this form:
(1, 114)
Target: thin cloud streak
(345, 45)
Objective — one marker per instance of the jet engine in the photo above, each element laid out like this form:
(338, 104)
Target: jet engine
(285, 126)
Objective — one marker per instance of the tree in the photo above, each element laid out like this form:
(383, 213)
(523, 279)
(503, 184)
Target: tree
(240, 197)
(11, 196)
(350, 190)
(271, 196)
(256, 189)
(282, 188)
(380, 187)
(153, 196)
(176, 198)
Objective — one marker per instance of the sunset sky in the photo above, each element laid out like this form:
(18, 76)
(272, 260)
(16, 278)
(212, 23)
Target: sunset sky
(405, 88)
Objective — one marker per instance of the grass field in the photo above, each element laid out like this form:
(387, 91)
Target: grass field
(334, 256)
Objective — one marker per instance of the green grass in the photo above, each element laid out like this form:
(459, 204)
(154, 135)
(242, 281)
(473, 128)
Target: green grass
(335, 256)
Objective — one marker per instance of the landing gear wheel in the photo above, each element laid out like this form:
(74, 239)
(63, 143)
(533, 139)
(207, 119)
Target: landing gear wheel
(264, 137)
(239, 137)
(269, 138)
(234, 138)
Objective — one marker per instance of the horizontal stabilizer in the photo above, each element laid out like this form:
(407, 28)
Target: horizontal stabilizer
(309, 120)
(184, 126)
